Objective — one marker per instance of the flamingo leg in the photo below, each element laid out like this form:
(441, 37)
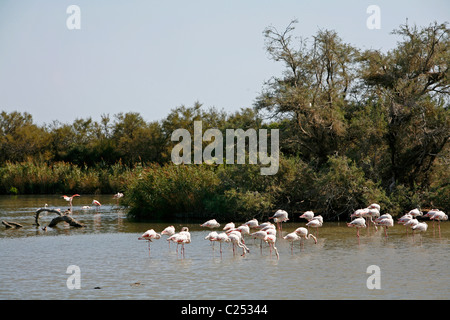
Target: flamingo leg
(439, 227)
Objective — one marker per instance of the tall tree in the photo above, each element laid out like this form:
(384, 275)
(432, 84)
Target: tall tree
(412, 83)
(312, 91)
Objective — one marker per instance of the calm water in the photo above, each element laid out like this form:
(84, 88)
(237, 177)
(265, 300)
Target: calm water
(115, 265)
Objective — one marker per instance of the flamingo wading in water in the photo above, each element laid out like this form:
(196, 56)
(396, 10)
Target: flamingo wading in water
(279, 217)
(358, 223)
(149, 235)
(70, 199)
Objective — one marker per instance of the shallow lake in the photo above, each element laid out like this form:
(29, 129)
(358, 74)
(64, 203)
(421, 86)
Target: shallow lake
(114, 264)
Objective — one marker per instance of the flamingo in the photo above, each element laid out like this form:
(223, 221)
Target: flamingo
(169, 231)
(279, 217)
(252, 223)
(315, 222)
(69, 199)
(117, 196)
(308, 215)
(405, 219)
(386, 222)
(149, 235)
(358, 223)
(185, 237)
(374, 206)
(420, 227)
(236, 239)
(96, 203)
(292, 237)
(243, 229)
(384, 216)
(415, 212)
(411, 223)
(181, 237)
(271, 239)
(211, 224)
(259, 235)
(303, 233)
(222, 237)
(212, 236)
(359, 213)
(263, 225)
(373, 213)
(367, 213)
(438, 215)
(229, 226)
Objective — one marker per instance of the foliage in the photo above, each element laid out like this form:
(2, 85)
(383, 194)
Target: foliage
(356, 127)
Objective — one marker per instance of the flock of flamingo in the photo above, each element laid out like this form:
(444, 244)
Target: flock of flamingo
(267, 231)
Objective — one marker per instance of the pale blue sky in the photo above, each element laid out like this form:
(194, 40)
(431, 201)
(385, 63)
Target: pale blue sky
(152, 56)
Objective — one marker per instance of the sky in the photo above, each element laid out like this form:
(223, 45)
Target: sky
(152, 56)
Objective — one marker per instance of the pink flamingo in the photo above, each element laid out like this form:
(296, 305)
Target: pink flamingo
(149, 235)
(271, 239)
(292, 237)
(279, 217)
(415, 212)
(259, 235)
(117, 196)
(236, 239)
(263, 225)
(211, 224)
(387, 221)
(182, 238)
(252, 223)
(315, 222)
(405, 219)
(308, 215)
(222, 237)
(303, 233)
(358, 223)
(212, 236)
(243, 229)
(169, 231)
(438, 215)
(420, 227)
(411, 223)
(229, 226)
(96, 203)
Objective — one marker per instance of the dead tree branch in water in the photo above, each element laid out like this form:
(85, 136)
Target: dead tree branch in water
(39, 211)
(60, 218)
(10, 224)
(71, 221)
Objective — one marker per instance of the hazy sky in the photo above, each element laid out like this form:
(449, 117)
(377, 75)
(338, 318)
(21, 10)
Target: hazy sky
(152, 56)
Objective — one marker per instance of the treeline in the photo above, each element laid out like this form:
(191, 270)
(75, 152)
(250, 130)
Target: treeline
(356, 126)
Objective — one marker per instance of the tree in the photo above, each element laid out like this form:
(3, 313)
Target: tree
(312, 91)
(20, 137)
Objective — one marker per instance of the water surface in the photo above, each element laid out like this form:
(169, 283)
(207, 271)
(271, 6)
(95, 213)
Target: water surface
(115, 265)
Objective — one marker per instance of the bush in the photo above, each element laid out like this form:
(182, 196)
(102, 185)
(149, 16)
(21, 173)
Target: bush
(343, 188)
